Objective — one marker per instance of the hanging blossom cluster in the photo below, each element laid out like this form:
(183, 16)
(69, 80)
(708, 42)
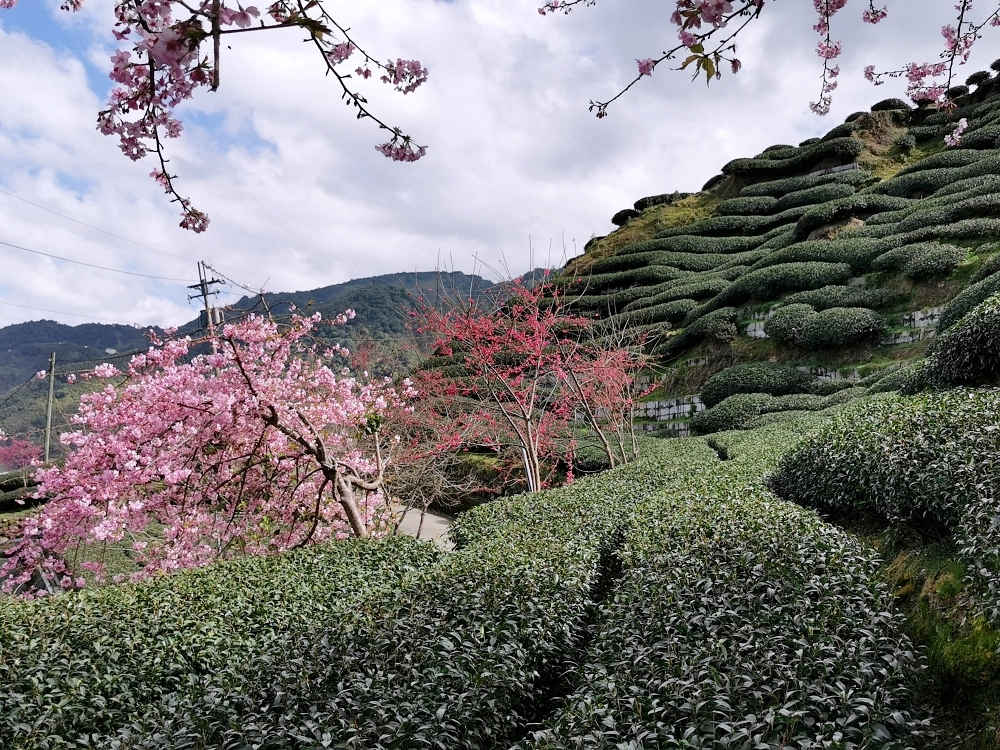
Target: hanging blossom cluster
(706, 30)
(176, 49)
(261, 447)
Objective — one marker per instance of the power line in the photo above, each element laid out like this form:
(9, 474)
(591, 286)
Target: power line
(133, 242)
(63, 312)
(92, 265)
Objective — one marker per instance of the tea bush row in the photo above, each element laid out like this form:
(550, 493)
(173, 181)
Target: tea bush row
(718, 325)
(927, 181)
(448, 654)
(781, 188)
(740, 622)
(968, 353)
(755, 377)
(720, 226)
(857, 252)
(670, 240)
(931, 461)
(860, 205)
(845, 296)
(811, 196)
(767, 283)
(966, 300)
(798, 325)
(840, 149)
(699, 288)
(922, 261)
(748, 206)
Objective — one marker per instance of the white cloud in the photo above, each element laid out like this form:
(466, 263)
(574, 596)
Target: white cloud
(298, 194)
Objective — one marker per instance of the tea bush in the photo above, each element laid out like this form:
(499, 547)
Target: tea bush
(845, 296)
(669, 240)
(749, 206)
(931, 461)
(968, 353)
(861, 205)
(766, 283)
(890, 104)
(840, 149)
(922, 261)
(780, 188)
(990, 267)
(755, 377)
(699, 288)
(718, 325)
(788, 324)
(737, 411)
(799, 325)
(811, 196)
(967, 299)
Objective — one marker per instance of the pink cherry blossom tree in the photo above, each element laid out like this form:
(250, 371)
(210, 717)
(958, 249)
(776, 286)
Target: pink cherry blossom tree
(16, 453)
(707, 32)
(176, 50)
(265, 445)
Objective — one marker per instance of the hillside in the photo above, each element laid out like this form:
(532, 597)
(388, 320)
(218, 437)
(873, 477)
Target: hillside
(840, 258)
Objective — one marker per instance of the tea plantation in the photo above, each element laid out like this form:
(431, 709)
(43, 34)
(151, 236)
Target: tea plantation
(816, 566)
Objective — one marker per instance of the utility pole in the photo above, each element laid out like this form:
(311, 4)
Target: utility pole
(48, 408)
(210, 316)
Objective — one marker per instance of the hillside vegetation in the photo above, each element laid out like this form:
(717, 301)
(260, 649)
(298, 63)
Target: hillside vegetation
(819, 569)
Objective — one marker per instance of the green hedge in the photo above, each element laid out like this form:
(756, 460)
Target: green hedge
(843, 150)
(700, 288)
(738, 411)
(841, 131)
(799, 325)
(740, 622)
(861, 205)
(95, 661)
(669, 240)
(857, 252)
(980, 205)
(718, 325)
(966, 300)
(668, 312)
(811, 196)
(681, 261)
(719, 226)
(890, 104)
(928, 180)
(931, 460)
(749, 206)
(766, 283)
(845, 296)
(923, 261)
(596, 283)
(968, 353)
(780, 188)
(990, 267)
(755, 377)
(987, 137)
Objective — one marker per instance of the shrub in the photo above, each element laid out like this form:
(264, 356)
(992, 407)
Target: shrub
(978, 78)
(843, 326)
(845, 296)
(861, 205)
(906, 142)
(966, 300)
(896, 379)
(921, 261)
(990, 267)
(668, 312)
(855, 116)
(930, 460)
(738, 622)
(887, 105)
(950, 211)
(987, 137)
(843, 150)
(750, 206)
(779, 147)
(968, 353)
(967, 229)
(739, 410)
(665, 199)
(624, 216)
(788, 324)
(692, 244)
(926, 179)
(841, 131)
(713, 181)
(728, 225)
(592, 241)
(956, 92)
(819, 194)
(754, 377)
(699, 288)
(857, 252)
(926, 132)
(718, 325)
(778, 188)
(799, 325)
(808, 142)
(766, 283)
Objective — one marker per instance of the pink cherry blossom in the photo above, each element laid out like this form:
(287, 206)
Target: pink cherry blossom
(955, 137)
(646, 66)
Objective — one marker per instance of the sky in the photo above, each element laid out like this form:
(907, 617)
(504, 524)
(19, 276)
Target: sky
(517, 174)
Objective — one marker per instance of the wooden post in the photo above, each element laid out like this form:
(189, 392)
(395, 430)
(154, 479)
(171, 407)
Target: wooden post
(48, 408)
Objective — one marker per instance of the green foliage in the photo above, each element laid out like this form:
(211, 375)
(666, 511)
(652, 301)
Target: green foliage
(987, 137)
(968, 353)
(923, 261)
(748, 206)
(956, 92)
(755, 377)
(780, 188)
(978, 78)
(843, 150)
(740, 411)
(990, 267)
(624, 216)
(929, 175)
(856, 252)
(718, 325)
(766, 283)
(841, 131)
(736, 617)
(694, 244)
(740, 225)
(906, 142)
(967, 299)
(929, 460)
(845, 296)
(798, 325)
(811, 196)
(861, 205)
(666, 199)
(700, 288)
(890, 104)
(667, 312)
(855, 116)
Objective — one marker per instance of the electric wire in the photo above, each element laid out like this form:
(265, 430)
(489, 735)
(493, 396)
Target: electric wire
(93, 265)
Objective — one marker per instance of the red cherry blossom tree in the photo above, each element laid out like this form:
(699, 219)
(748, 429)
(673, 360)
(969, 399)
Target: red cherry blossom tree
(176, 50)
(263, 446)
(16, 453)
(528, 368)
